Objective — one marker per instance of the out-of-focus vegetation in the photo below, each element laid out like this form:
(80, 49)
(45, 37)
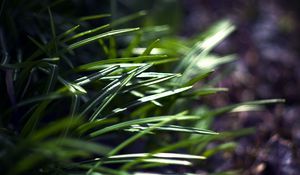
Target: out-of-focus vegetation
(91, 88)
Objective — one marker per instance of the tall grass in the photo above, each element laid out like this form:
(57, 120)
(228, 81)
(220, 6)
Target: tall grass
(104, 100)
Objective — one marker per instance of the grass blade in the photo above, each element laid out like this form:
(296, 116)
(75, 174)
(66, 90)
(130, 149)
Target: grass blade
(100, 36)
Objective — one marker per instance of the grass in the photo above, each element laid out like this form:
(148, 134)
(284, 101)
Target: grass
(65, 111)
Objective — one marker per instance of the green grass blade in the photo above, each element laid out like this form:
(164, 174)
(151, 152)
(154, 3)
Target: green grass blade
(139, 121)
(87, 79)
(91, 31)
(133, 44)
(149, 98)
(150, 47)
(118, 61)
(94, 17)
(55, 127)
(100, 36)
(68, 32)
(112, 94)
(175, 128)
(53, 31)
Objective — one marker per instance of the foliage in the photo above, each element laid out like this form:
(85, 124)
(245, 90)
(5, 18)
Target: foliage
(65, 111)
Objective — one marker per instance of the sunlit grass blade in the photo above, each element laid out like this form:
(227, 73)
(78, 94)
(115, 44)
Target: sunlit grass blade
(158, 155)
(109, 98)
(139, 135)
(111, 90)
(127, 124)
(94, 76)
(202, 48)
(150, 47)
(151, 81)
(175, 128)
(149, 98)
(100, 36)
(81, 34)
(138, 94)
(168, 161)
(144, 75)
(118, 61)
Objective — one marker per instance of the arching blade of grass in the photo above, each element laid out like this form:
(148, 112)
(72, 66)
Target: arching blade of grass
(138, 94)
(149, 82)
(87, 79)
(158, 155)
(143, 75)
(126, 124)
(99, 36)
(68, 32)
(94, 17)
(167, 161)
(91, 31)
(139, 135)
(138, 59)
(147, 99)
(201, 49)
(175, 128)
(150, 47)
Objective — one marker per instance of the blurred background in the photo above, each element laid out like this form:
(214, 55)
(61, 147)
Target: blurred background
(268, 48)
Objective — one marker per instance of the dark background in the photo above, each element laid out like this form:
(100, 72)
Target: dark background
(267, 44)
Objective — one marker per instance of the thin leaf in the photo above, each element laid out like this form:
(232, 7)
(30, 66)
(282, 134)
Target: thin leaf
(118, 61)
(139, 121)
(148, 98)
(99, 36)
(93, 17)
(150, 47)
(86, 32)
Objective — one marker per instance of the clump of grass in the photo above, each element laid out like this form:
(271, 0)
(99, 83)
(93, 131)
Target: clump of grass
(64, 113)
